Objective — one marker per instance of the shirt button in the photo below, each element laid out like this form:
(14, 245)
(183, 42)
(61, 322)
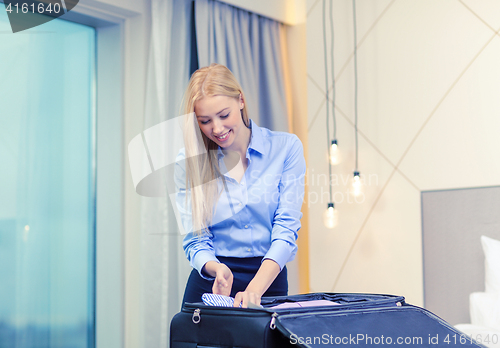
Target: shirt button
(246, 226)
(248, 249)
(239, 204)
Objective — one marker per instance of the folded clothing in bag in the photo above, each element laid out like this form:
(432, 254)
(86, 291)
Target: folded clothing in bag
(227, 301)
(217, 300)
(303, 304)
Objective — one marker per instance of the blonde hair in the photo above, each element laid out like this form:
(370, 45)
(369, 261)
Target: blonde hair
(202, 171)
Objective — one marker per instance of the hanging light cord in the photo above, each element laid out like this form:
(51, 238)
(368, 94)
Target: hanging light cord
(333, 76)
(355, 82)
(327, 102)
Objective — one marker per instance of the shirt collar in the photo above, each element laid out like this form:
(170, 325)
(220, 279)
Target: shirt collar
(257, 140)
(219, 152)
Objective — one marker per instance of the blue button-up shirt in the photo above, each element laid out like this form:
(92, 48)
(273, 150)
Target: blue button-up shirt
(258, 216)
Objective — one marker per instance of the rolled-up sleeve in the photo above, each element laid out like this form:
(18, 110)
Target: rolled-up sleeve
(199, 249)
(287, 217)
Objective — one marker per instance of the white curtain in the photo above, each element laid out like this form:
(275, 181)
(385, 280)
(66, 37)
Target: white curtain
(164, 266)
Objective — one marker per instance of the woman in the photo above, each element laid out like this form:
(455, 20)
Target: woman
(240, 199)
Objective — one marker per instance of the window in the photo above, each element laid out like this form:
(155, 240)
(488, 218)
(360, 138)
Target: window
(47, 185)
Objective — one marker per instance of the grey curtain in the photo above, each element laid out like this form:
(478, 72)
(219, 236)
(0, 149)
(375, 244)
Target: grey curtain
(249, 45)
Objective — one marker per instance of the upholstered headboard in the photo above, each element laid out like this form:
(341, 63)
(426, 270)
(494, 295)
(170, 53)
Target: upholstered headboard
(452, 223)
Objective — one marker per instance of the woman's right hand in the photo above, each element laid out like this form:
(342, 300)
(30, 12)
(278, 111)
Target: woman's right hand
(223, 277)
(223, 280)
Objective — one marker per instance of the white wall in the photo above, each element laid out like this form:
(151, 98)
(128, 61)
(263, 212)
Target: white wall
(429, 118)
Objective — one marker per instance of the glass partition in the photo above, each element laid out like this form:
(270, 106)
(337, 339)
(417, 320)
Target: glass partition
(47, 185)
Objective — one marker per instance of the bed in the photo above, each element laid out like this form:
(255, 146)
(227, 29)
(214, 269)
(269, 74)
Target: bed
(457, 287)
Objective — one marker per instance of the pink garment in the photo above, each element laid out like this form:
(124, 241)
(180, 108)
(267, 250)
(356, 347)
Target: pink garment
(306, 304)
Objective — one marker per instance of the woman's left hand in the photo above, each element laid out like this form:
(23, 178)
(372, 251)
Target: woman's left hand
(244, 297)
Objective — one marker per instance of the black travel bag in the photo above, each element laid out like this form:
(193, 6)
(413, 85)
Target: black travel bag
(366, 320)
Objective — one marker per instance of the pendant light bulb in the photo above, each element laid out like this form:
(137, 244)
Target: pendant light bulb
(334, 153)
(330, 216)
(357, 185)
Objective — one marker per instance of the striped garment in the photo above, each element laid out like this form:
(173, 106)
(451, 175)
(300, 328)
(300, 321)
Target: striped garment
(217, 300)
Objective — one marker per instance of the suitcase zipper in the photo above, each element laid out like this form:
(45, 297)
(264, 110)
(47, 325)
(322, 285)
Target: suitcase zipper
(348, 307)
(394, 300)
(196, 316)
(272, 326)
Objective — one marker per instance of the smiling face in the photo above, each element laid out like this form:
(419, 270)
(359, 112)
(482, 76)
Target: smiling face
(219, 118)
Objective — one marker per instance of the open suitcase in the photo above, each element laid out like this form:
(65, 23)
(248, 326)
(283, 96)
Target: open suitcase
(365, 320)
